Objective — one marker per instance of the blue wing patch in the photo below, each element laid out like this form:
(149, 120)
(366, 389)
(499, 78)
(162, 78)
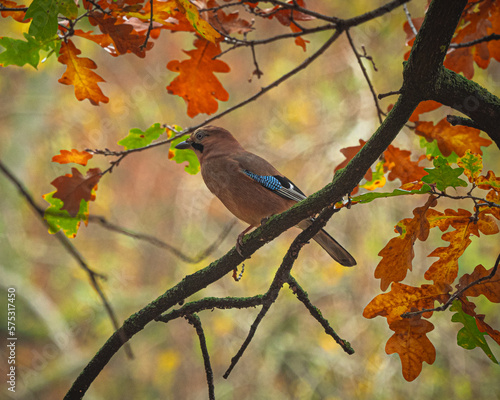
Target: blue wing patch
(278, 184)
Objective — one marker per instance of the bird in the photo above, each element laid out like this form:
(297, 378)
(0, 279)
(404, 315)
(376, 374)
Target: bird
(249, 186)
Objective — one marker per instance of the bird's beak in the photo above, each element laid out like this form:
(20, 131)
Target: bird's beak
(183, 145)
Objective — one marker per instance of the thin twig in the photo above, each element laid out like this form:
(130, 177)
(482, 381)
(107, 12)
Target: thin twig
(150, 27)
(493, 36)
(194, 320)
(455, 295)
(164, 245)
(316, 313)
(410, 21)
(380, 113)
(71, 249)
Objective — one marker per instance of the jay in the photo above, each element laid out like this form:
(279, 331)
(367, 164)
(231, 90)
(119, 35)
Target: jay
(250, 187)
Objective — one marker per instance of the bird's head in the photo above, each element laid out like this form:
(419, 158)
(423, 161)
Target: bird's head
(210, 141)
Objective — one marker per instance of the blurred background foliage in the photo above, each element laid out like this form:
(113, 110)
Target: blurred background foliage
(300, 127)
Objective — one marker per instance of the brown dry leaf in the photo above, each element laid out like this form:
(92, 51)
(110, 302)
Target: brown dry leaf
(452, 138)
(399, 163)
(424, 107)
(445, 270)
(403, 298)
(410, 341)
(398, 254)
(73, 188)
(489, 288)
(125, 38)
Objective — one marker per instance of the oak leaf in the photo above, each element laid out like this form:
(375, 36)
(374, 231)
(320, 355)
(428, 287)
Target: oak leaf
(470, 336)
(472, 165)
(410, 341)
(196, 82)
(79, 74)
(452, 138)
(202, 27)
(73, 156)
(424, 107)
(73, 188)
(490, 181)
(125, 38)
(18, 16)
(403, 298)
(489, 288)
(399, 163)
(445, 270)
(398, 254)
(226, 23)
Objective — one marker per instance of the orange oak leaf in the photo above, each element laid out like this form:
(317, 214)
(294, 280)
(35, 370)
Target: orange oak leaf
(18, 16)
(424, 107)
(399, 163)
(490, 181)
(79, 74)
(489, 288)
(73, 188)
(410, 341)
(474, 25)
(403, 298)
(494, 196)
(196, 82)
(494, 45)
(445, 270)
(73, 156)
(452, 138)
(398, 254)
(125, 38)
(349, 153)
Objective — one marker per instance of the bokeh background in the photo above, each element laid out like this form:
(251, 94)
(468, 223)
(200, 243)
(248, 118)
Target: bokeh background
(300, 127)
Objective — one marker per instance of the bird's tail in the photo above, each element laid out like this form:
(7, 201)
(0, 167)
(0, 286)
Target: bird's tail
(331, 246)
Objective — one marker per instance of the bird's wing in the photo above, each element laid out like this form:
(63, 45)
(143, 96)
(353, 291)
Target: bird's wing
(278, 184)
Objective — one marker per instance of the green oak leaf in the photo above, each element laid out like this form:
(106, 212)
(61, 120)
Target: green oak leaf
(44, 22)
(443, 176)
(179, 156)
(20, 52)
(59, 219)
(469, 337)
(137, 138)
(432, 149)
(68, 8)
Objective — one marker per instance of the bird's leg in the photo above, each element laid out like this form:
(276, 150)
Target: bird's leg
(239, 241)
(264, 220)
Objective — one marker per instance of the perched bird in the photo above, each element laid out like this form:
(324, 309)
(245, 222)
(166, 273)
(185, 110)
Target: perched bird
(250, 187)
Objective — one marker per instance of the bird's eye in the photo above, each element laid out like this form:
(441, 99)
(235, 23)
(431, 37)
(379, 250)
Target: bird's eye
(199, 136)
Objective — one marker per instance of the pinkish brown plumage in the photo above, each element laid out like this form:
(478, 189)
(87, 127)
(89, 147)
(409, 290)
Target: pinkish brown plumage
(250, 187)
